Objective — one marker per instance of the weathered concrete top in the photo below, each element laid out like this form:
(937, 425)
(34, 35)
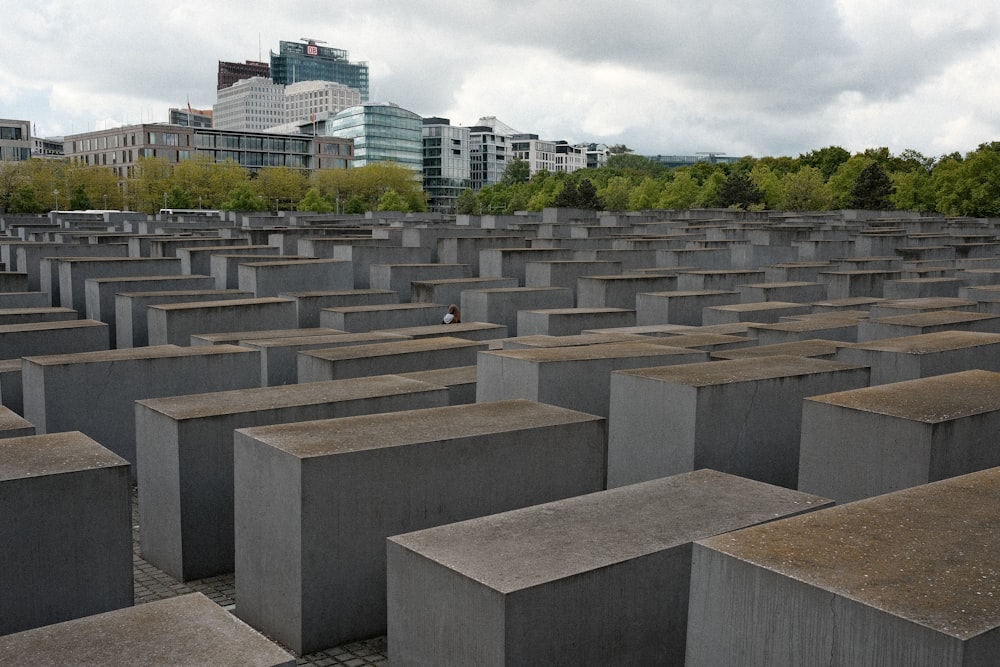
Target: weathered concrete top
(927, 554)
(444, 376)
(527, 547)
(386, 306)
(936, 318)
(927, 343)
(232, 303)
(693, 292)
(700, 339)
(181, 292)
(760, 306)
(393, 429)
(224, 337)
(592, 352)
(443, 329)
(740, 370)
(52, 454)
(935, 399)
(831, 314)
(848, 302)
(545, 340)
(646, 330)
(350, 292)
(304, 341)
(389, 348)
(579, 311)
(811, 324)
(188, 630)
(125, 354)
(10, 420)
(814, 347)
(197, 406)
(788, 283)
(45, 326)
(284, 261)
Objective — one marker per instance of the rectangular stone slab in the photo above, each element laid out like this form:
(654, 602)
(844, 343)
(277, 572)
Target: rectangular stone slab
(906, 578)
(598, 579)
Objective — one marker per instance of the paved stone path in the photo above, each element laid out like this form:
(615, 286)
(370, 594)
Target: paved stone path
(152, 583)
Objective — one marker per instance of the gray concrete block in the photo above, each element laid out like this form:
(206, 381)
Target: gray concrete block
(924, 355)
(501, 305)
(600, 579)
(449, 290)
(866, 442)
(13, 425)
(358, 319)
(184, 449)
(273, 277)
(575, 377)
(184, 631)
(459, 381)
(74, 272)
(309, 303)
(66, 530)
(571, 321)
(619, 291)
(94, 392)
(36, 314)
(99, 294)
(899, 579)
(61, 337)
(398, 277)
(175, 323)
(315, 501)
(132, 323)
(741, 416)
(391, 357)
(764, 312)
(679, 306)
(928, 322)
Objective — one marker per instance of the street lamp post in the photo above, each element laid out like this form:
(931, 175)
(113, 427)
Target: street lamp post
(56, 193)
(164, 200)
(105, 202)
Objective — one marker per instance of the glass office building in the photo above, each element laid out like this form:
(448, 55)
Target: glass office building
(381, 133)
(296, 62)
(446, 163)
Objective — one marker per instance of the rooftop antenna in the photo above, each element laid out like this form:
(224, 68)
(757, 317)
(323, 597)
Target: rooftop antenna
(312, 40)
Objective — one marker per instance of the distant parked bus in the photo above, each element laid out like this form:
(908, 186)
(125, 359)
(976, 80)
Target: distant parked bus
(189, 211)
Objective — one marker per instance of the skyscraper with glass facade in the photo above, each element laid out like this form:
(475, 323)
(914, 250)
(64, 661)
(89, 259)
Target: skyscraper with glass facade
(446, 163)
(296, 62)
(382, 132)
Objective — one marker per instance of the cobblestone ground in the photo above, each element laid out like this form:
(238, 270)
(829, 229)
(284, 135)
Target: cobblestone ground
(151, 583)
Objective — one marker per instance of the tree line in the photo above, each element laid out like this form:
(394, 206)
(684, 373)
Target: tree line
(825, 179)
(40, 185)
(829, 178)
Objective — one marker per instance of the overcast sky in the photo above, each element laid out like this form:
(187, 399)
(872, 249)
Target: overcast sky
(738, 77)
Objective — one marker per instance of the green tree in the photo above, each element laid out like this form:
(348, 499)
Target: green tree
(243, 198)
(872, 189)
(79, 201)
(355, 205)
(24, 199)
(391, 201)
(646, 195)
(739, 191)
(681, 192)
(314, 202)
(516, 171)
(768, 182)
(841, 184)
(280, 184)
(466, 203)
(827, 160)
(615, 193)
(804, 190)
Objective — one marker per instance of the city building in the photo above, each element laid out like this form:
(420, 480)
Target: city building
(51, 147)
(382, 132)
(309, 61)
(120, 148)
(538, 153)
(252, 104)
(569, 158)
(597, 155)
(308, 100)
(190, 117)
(230, 73)
(446, 163)
(15, 140)
(489, 151)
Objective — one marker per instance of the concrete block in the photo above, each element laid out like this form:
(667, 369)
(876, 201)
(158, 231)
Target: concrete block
(363, 256)
(13, 425)
(764, 312)
(100, 294)
(132, 323)
(817, 348)
(741, 416)
(899, 579)
(238, 337)
(278, 356)
(570, 321)
(10, 300)
(309, 303)
(680, 306)
(225, 269)
(66, 530)
(11, 395)
(866, 442)
(501, 305)
(403, 356)
(175, 323)
(846, 284)
(512, 262)
(198, 260)
(828, 328)
(398, 277)
(74, 272)
(575, 377)
(529, 587)
(619, 291)
(924, 355)
(915, 306)
(184, 631)
(184, 447)
(62, 337)
(464, 329)
(93, 392)
(36, 314)
(924, 323)
(273, 277)
(718, 279)
(565, 273)
(460, 382)
(449, 290)
(796, 292)
(358, 319)
(315, 501)
(912, 288)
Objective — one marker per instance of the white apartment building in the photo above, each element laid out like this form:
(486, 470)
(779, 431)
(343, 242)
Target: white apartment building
(538, 153)
(310, 100)
(249, 105)
(570, 158)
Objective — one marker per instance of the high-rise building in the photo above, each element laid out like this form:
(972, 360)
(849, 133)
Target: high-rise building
(309, 61)
(252, 104)
(308, 100)
(446, 163)
(230, 73)
(15, 140)
(570, 157)
(382, 132)
(489, 151)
